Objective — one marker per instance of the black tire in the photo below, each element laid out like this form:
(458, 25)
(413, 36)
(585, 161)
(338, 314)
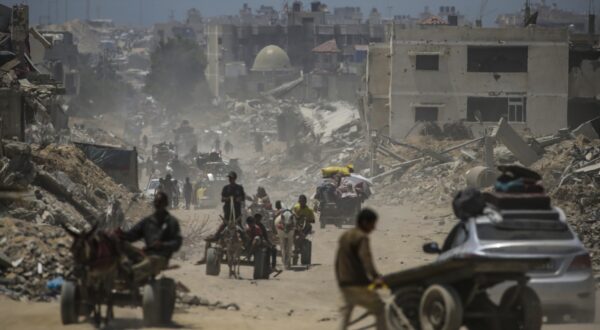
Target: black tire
(407, 300)
(526, 309)
(306, 253)
(483, 305)
(150, 305)
(167, 296)
(213, 262)
(260, 259)
(267, 264)
(69, 313)
(440, 308)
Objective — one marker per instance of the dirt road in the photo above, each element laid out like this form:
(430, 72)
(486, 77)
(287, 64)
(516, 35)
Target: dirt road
(297, 299)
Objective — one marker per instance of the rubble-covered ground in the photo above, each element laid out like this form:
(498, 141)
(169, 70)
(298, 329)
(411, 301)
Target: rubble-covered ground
(430, 183)
(42, 188)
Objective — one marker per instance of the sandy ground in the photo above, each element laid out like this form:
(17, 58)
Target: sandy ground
(297, 299)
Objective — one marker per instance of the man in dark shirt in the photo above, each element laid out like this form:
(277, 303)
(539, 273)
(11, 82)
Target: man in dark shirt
(162, 237)
(232, 190)
(237, 192)
(355, 271)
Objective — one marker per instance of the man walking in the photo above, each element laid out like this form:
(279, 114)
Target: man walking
(355, 271)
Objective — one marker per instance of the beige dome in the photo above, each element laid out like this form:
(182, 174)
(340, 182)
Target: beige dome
(271, 58)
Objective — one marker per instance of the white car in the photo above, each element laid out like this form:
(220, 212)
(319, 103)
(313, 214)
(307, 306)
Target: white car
(565, 284)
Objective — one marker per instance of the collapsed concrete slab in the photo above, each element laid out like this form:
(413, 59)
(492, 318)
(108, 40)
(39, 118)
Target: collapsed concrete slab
(589, 129)
(515, 143)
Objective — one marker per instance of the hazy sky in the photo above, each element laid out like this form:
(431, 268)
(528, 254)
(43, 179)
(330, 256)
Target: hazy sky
(128, 11)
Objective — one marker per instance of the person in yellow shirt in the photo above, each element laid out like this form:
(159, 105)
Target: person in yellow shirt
(304, 214)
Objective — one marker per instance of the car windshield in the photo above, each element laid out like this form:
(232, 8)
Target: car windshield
(490, 232)
(153, 184)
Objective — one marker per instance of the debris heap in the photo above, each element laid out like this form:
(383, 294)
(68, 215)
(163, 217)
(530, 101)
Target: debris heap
(42, 188)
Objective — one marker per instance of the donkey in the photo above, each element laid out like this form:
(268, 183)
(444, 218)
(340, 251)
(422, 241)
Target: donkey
(233, 248)
(96, 257)
(233, 243)
(285, 224)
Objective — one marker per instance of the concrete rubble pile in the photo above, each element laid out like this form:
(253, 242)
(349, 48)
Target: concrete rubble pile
(571, 172)
(84, 134)
(32, 255)
(44, 188)
(570, 168)
(299, 140)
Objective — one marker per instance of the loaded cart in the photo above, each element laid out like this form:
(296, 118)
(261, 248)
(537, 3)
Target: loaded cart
(448, 294)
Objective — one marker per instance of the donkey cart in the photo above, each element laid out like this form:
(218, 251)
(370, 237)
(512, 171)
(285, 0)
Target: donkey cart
(157, 299)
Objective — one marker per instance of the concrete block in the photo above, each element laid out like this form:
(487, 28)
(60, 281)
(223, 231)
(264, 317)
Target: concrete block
(589, 129)
(515, 143)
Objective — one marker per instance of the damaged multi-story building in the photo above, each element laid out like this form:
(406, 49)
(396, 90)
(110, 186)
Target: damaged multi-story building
(534, 77)
(29, 107)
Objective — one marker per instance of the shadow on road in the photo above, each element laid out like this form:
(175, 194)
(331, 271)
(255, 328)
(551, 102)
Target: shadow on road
(135, 323)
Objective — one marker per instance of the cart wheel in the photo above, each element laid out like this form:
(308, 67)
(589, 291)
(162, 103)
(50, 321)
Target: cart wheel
(440, 309)
(404, 308)
(481, 304)
(306, 253)
(150, 306)
(213, 262)
(267, 264)
(526, 309)
(167, 298)
(260, 259)
(68, 303)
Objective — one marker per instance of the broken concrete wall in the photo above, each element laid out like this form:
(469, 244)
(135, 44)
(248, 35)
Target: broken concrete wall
(377, 94)
(542, 87)
(584, 80)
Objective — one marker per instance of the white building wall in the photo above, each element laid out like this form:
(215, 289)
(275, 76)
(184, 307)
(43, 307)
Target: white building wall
(545, 84)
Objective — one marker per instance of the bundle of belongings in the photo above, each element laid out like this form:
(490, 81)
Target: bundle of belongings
(517, 188)
(340, 183)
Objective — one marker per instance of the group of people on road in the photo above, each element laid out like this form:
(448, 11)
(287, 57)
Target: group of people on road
(355, 271)
(170, 187)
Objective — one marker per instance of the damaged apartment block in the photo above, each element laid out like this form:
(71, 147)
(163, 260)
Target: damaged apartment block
(445, 74)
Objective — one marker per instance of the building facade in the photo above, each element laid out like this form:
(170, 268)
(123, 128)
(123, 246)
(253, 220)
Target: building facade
(477, 75)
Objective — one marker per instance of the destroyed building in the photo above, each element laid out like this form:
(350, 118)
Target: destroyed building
(444, 74)
(548, 16)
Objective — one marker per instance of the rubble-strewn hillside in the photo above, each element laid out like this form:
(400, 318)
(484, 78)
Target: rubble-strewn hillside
(41, 188)
(430, 182)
